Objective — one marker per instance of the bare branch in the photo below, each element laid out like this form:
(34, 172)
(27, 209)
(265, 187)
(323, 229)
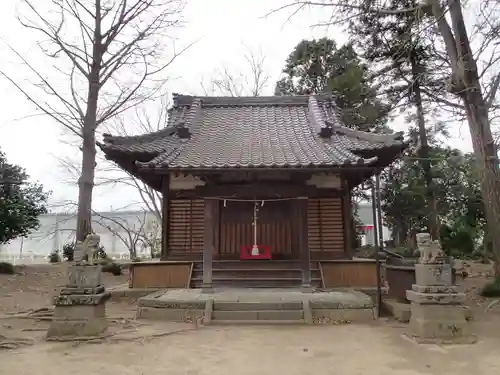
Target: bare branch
(107, 58)
(251, 81)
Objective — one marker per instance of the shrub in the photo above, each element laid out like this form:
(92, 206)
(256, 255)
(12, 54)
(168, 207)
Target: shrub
(69, 252)
(492, 289)
(7, 268)
(104, 261)
(112, 268)
(54, 257)
(100, 253)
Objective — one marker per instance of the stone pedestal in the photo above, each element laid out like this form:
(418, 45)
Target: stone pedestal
(80, 310)
(436, 307)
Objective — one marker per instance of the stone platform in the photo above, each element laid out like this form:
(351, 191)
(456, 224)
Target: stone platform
(402, 311)
(257, 306)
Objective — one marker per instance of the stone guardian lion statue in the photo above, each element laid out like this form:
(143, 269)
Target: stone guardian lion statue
(430, 251)
(84, 251)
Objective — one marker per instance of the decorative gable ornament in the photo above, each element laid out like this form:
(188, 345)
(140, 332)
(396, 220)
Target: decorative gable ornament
(185, 182)
(325, 181)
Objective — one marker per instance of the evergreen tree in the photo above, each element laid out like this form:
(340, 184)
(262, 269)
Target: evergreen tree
(406, 69)
(21, 202)
(318, 66)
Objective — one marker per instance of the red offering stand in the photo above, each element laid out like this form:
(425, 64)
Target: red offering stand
(246, 252)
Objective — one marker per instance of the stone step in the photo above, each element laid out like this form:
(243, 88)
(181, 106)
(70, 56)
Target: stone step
(254, 282)
(255, 264)
(256, 273)
(253, 306)
(258, 315)
(257, 322)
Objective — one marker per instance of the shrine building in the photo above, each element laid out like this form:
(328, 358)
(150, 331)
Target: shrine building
(256, 192)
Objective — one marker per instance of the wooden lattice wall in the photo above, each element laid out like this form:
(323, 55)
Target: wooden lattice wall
(325, 227)
(186, 226)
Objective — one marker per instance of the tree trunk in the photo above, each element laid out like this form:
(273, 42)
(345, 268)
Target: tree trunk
(433, 222)
(86, 180)
(86, 185)
(487, 163)
(465, 83)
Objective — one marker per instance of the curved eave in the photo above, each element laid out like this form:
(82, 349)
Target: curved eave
(366, 163)
(386, 155)
(386, 139)
(137, 139)
(115, 153)
(152, 180)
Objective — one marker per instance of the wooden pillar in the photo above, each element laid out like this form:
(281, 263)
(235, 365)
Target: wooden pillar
(303, 243)
(208, 244)
(165, 189)
(348, 219)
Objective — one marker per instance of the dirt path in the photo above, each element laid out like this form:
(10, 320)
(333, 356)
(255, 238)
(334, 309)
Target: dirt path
(349, 349)
(167, 348)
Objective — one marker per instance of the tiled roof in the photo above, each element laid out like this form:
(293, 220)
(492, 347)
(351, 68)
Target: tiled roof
(278, 131)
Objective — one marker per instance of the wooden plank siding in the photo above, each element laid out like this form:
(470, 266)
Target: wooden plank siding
(146, 275)
(325, 228)
(349, 274)
(186, 226)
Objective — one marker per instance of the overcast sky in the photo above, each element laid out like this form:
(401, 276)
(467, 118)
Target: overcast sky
(222, 28)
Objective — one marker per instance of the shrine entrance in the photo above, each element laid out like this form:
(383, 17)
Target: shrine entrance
(273, 221)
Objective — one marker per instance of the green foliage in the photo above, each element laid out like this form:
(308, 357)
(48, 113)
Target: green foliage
(457, 242)
(317, 66)
(54, 257)
(112, 268)
(356, 223)
(100, 253)
(103, 261)
(492, 289)
(367, 251)
(7, 268)
(401, 48)
(21, 202)
(459, 203)
(69, 251)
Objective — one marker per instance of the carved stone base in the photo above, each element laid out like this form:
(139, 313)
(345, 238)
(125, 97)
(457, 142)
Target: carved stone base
(80, 308)
(440, 324)
(62, 330)
(437, 315)
(79, 316)
(433, 274)
(84, 276)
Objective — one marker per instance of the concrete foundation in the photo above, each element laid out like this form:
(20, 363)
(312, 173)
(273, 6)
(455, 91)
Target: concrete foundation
(257, 306)
(80, 310)
(437, 313)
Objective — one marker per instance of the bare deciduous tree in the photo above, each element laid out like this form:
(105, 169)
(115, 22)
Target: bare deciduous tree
(135, 232)
(475, 89)
(111, 55)
(146, 119)
(250, 80)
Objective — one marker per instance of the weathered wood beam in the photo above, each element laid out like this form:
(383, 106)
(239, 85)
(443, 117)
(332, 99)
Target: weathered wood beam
(348, 219)
(165, 227)
(208, 244)
(303, 243)
(258, 190)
